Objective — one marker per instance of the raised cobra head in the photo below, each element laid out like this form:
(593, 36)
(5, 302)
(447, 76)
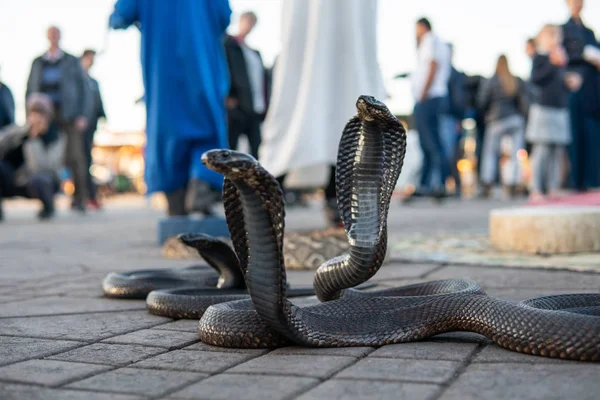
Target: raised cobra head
(232, 164)
(371, 109)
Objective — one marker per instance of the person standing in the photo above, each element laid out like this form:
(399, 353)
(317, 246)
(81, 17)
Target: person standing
(430, 87)
(31, 156)
(503, 99)
(328, 59)
(453, 111)
(60, 76)
(95, 112)
(247, 99)
(584, 101)
(7, 106)
(186, 82)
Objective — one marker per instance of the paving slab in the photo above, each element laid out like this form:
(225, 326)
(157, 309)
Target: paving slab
(48, 372)
(147, 382)
(194, 361)
(296, 365)
(183, 325)
(521, 278)
(407, 370)
(448, 351)
(331, 351)
(526, 382)
(249, 387)
(9, 391)
(84, 327)
(109, 354)
(64, 305)
(398, 270)
(13, 349)
(157, 338)
(207, 347)
(343, 389)
(497, 354)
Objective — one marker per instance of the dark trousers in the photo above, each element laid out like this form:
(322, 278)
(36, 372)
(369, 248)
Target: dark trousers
(240, 122)
(88, 143)
(584, 150)
(76, 162)
(41, 185)
(427, 123)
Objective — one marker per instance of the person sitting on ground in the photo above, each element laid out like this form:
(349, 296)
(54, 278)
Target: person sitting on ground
(32, 155)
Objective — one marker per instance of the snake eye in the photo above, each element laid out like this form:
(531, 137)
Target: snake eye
(226, 154)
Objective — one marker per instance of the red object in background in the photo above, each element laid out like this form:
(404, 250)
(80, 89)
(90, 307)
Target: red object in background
(580, 199)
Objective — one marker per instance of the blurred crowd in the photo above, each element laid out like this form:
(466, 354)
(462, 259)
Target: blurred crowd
(207, 89)
(552, 118)
(63, 106)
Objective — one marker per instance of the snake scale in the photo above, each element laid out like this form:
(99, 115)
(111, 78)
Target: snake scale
(369, 160)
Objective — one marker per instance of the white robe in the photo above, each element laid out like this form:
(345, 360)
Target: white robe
(328, 59)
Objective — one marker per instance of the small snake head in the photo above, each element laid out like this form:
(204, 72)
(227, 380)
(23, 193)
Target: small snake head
(232, 164)
(370, 109)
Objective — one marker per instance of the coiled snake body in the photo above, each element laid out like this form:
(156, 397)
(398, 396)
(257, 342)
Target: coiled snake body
(370, 159)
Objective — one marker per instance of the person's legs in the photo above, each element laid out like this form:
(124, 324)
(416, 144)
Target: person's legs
(254, 135)
(448, 139)
(41, 186)
(236, 123)
(88, 143)
(439, 164)
(539, 159)
(77, 164)
(590, 150)
(7, 187)
(424, 143)
(489, 152)
(554, 169)
(517, 130)
(576, 147)
(204, 185)
(331, 209)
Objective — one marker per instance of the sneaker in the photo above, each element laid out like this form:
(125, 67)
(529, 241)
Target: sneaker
(45, 214)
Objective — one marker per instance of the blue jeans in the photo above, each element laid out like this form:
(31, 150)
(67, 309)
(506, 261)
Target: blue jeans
(584, 147)
(427, 123)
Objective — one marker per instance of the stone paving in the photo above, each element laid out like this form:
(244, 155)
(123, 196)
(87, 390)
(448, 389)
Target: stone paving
(60, 339)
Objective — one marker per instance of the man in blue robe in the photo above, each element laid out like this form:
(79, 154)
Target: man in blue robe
(186, 82)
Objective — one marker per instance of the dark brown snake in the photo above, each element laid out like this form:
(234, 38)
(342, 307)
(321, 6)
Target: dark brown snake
(370, 158)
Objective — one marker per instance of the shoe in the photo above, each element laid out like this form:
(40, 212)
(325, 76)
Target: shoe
(45, 214)
(485, 192)
(79, 207)
(94, 205)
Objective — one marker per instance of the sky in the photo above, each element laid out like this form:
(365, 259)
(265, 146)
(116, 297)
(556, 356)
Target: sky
(479, 29)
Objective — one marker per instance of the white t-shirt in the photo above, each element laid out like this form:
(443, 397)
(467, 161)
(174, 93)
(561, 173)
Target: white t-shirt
(431, 49)
(256, 74)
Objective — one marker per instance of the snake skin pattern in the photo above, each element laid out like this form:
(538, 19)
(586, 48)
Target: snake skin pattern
(543, 326)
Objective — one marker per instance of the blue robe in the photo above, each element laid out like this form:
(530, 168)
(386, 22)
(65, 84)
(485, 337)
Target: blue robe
(186, 81)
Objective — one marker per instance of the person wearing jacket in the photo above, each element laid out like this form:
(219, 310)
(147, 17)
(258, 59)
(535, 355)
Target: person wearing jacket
(247, 99)
(95, 112)
(60, 76)
(31, 156)
(584, 101)
(503, 99)
(548, 126)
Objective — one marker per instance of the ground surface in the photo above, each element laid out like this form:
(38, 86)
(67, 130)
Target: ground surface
(60, 339)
